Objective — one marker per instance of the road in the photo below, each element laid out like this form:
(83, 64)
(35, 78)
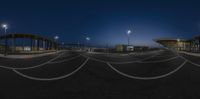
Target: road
(159, 75)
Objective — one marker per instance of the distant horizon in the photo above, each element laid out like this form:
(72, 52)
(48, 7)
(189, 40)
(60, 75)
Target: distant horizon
(106, 44)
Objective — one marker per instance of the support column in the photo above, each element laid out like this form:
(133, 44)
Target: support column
(23, 44)
(51, 45)
(31, 46)
(43, 45)
(47, 47)
(6, 45)
(35, 45)
(14, 44)
(199, 45)
(38, 45)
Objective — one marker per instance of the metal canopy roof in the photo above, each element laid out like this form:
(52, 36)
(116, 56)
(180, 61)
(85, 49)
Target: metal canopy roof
(24, 35)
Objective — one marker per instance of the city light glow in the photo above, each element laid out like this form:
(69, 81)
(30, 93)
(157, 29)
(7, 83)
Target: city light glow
(56, 37)
(88, 38)
(5, 26)
(129, 32)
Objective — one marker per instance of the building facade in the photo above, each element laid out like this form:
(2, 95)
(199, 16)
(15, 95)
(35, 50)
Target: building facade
(192, 45)
(130, 48)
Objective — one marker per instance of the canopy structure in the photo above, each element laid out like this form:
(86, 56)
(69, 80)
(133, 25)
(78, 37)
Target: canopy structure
(19, 42)
(181, 44)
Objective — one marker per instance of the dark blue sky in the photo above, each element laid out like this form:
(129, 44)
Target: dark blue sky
(105, 21)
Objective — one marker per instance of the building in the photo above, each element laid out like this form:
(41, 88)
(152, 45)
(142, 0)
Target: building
(130, 48)
(192, 45)
(141, 48)
(73, 46)
(121, 48)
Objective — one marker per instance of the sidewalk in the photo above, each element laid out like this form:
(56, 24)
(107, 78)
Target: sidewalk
(28, 55)
(190, 53)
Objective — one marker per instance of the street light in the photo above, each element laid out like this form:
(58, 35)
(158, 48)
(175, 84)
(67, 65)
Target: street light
(128, 33)
(88, 39)
(178, 41)
(5, 27)
(56, 37)
(56, 40)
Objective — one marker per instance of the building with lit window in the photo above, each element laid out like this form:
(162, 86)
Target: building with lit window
(192, 45)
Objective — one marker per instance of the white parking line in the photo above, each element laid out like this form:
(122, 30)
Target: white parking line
(21, 68)
(65, 60)
(147, 78)
(108, 63)
(195, 64)
(52, 79)
(40, 64)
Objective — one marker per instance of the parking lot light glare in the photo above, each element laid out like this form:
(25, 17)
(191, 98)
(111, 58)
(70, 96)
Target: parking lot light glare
(5, 26)
(129, 32)
(88, 38)
(56, 37)
(178, 40)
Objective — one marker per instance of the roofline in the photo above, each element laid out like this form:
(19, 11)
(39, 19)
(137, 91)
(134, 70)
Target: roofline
(27, 34)
(170, 39)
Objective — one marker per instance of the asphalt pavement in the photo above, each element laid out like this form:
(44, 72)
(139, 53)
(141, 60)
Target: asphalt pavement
(78, 75)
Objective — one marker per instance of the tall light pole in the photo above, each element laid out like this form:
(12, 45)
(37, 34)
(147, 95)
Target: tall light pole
(128, 33)
(63, 44)
(5, 27)
(88, 39)
(79, 46)
(178, 41)
(56, 40)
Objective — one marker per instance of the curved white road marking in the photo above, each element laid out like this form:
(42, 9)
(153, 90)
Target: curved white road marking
(51, 79)
(109, 64)
(61, 61)
(21, 68)
(147, 78)
(195, 64)
(191, 61)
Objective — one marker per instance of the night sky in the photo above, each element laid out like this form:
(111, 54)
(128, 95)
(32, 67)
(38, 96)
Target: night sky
(104, 21)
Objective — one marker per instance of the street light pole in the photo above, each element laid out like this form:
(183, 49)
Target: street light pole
(178, 41)
(5, 27)
(56, 40)
(88, 39)
(63, 44)
(128, 33)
